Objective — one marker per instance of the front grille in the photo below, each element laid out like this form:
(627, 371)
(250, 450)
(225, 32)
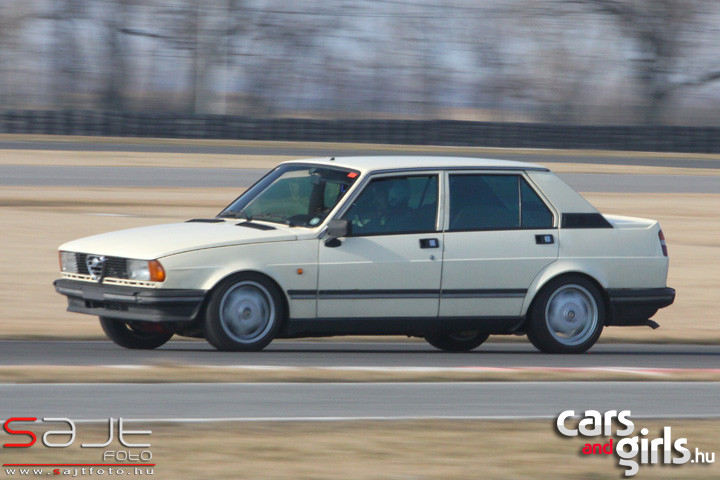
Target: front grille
(115, 267)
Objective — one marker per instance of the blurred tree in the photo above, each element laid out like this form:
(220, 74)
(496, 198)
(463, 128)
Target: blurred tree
(221, 35)
(203, 29)
(115, 22)
(13, 18)
(68, 62)
(659, 31)
(75, 63)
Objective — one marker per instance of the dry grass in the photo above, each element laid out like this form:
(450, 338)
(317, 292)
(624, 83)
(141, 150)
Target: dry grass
(131, 159)
(171, 373)
(370, 450)
(193, 160)
(331, 146)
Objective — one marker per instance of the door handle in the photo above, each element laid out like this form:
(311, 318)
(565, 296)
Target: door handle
(544, 239)
(429, 243)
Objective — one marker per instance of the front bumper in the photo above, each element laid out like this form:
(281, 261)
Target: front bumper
(631, 306)
(131, 303)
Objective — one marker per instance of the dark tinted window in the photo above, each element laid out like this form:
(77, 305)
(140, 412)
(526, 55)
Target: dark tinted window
(484, 202)
(395, 205)
(535, 214)
(495, 202)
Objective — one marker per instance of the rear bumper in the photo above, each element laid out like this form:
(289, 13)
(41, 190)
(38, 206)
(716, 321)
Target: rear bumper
(630, 306)
(131, 303)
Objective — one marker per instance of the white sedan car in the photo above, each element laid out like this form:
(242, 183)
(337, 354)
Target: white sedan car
(449, 249)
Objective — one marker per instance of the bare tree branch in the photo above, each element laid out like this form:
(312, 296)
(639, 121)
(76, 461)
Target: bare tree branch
(657, 28)
(142, 33)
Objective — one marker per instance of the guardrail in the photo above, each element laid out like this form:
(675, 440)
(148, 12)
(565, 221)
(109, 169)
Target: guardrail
(412, 132)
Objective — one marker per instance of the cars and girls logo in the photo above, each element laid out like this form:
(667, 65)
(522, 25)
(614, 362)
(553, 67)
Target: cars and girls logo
(132, 457)
(631, 449)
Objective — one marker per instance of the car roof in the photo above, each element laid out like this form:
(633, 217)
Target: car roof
(407, 162)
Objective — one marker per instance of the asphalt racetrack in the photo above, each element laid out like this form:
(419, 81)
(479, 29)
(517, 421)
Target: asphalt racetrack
(77, 176)
(319, 150)
(341, 353)
(358, 401)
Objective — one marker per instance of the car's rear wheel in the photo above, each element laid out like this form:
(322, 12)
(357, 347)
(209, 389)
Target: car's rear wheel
(567, 316)
(135, 335)
(457, 341)
(244, 314)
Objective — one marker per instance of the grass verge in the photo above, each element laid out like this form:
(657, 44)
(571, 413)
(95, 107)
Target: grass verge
(209, 160)
(331, 146)
(373, 450)
(170, 373)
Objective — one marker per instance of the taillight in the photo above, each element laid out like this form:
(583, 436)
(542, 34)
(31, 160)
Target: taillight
(663, 245)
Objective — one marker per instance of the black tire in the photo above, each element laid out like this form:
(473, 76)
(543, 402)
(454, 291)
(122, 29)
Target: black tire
(457, 342)
(244, 314)
(567, 316)
(135, 335)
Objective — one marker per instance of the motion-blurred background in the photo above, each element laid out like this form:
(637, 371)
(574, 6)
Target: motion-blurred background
(630, 62)
(455, 76)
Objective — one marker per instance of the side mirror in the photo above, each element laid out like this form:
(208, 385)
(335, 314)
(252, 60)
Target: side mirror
(338, 227)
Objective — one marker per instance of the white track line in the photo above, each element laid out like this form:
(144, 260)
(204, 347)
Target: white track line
(398, 418)
(371, 369)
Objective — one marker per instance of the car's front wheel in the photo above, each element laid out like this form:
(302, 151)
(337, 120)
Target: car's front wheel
(458, 341)
(567, 316)
(244, 314)
(135, 335)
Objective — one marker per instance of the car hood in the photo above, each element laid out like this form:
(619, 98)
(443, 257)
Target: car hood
(148, 243)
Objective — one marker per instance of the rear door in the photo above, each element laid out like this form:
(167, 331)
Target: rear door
(499, 234)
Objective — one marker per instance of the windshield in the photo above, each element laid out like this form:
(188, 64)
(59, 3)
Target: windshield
(297, 195)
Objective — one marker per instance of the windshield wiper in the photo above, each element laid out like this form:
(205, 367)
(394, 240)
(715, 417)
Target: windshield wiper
(234, 214)
(270, 217)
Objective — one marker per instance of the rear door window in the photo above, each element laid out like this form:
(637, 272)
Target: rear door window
(495, 202)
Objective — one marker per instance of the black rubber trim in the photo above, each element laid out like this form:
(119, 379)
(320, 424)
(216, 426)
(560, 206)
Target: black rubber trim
(513, 229)
(484, 293)
(205, 220)
(372, 294)
(584, 220)
(635, 306)
(302, 294)
(406, 293)
(131, 303)
(629, 294)
(362, 294)
(257, 226)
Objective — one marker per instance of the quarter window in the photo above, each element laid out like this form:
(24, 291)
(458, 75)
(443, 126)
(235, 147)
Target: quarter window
(535, 214)
(395, 205)
(495, 202)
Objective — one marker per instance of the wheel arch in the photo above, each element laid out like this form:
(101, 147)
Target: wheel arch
(542, 282)
(239, 273)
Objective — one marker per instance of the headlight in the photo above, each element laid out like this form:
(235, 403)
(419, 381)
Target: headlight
(146, 271)
(68, 263)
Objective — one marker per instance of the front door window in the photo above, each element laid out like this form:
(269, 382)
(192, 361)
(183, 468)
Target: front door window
(395, 205)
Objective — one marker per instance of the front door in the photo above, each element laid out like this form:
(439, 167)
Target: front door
(390, 263)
